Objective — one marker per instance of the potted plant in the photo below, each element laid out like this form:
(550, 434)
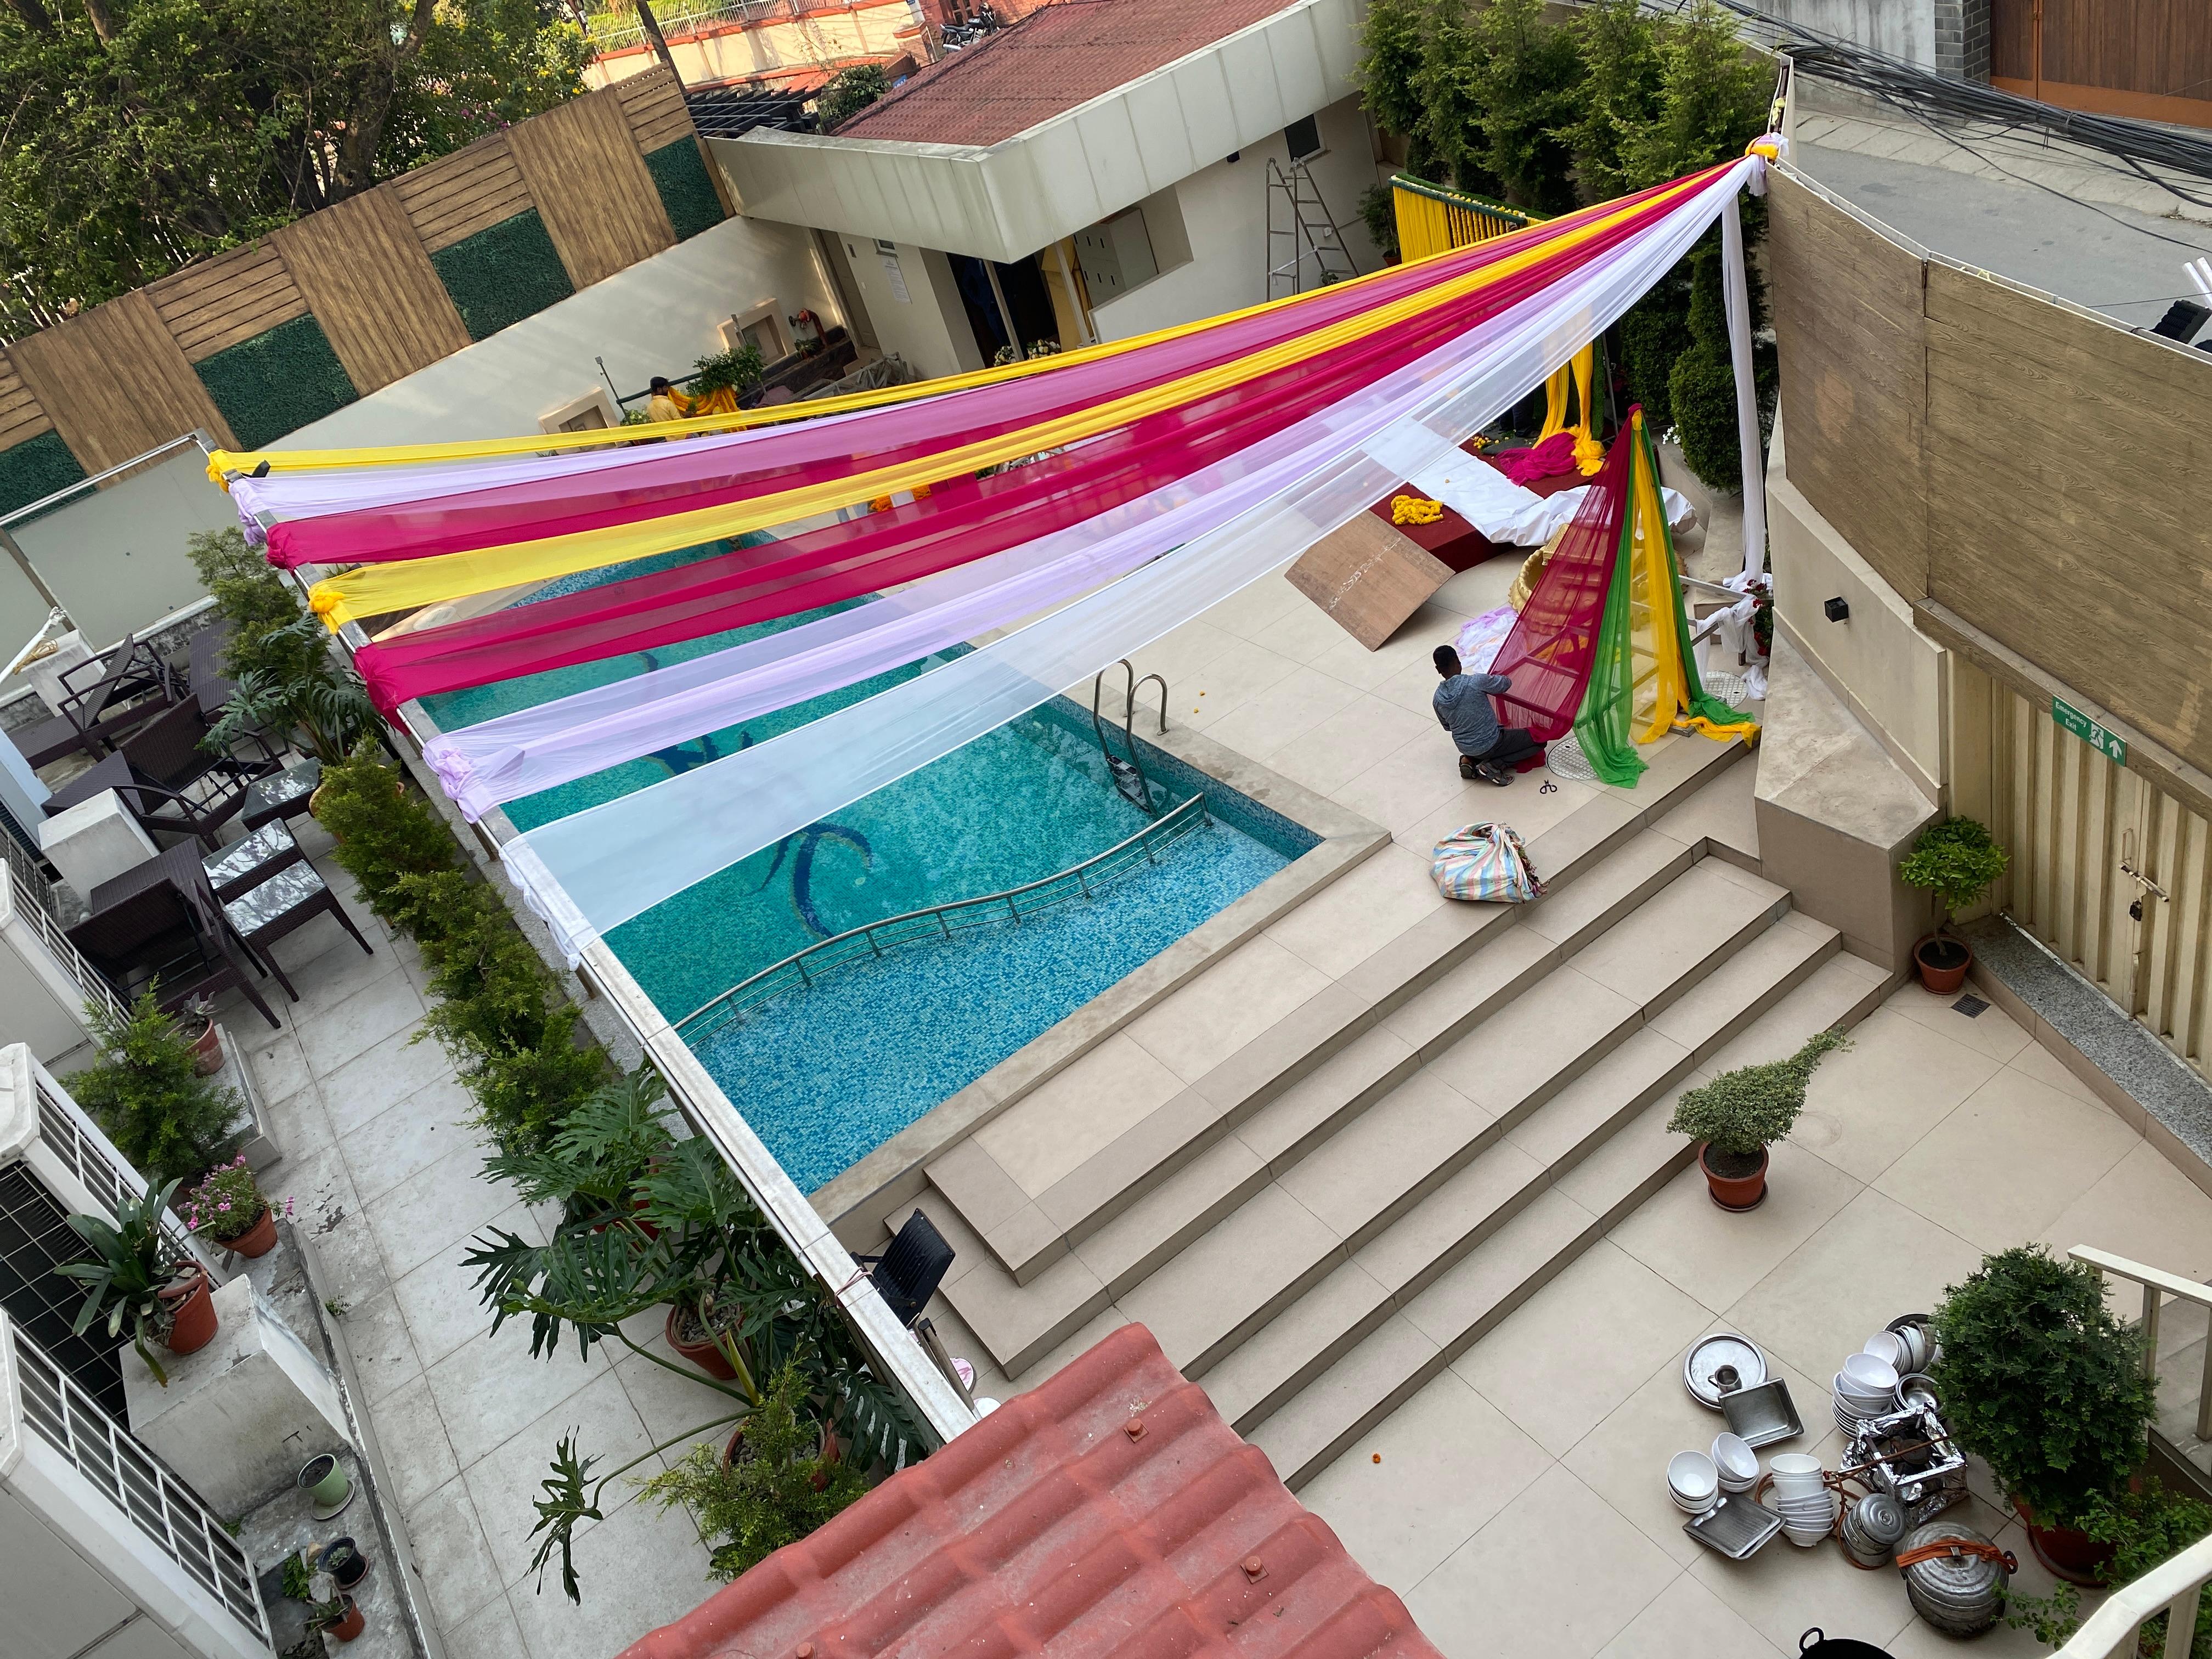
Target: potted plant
(146, 1093)
(1958, 860)
(1739, 1115)
(2146, 1527)
(341, 1617)
(2040, 1379)
(227, 1208)
(137, 1276)
(323, 1478)
(779, 1479)
(704, 1328)
(198, 1027)
(341, 1558)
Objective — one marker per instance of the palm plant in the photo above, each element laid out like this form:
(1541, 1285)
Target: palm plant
(324, 705)
(650, 1220)
(133, 1263)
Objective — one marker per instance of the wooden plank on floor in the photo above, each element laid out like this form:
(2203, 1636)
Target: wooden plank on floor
(115, 383)
(373, 289)
(1369, 577)
(588, 178)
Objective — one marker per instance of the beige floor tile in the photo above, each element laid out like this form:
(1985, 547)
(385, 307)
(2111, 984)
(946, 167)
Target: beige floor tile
(1783, 1591)
(1253, 609)
(1212, 1016)
(2145, 1209)
(301, 1128)
(1050, 1131)
(1685, 1238)
(2039, 1063)
(333, 1036)
(1990, 1032)
(1355, 664)
(440, 1299)
(1449, 1461)
(1876, 1259)
(429, 1215)
(413, 1438)
(1557, 1574)
(1409, 787)
(1241, 672)
(488, 1633)
(1523, 1045)
(381, 1076)
(404, 1139)
(504, 1483)
(1361, 911)
(1364, 731)
(383, 1350)
(641, 1568)
(1563, 1361)
(1178, 654)
(279, 1068)
(1304, 633)
(1419, 1126)
(2009, 1162)
(673, 1407)
(451, 1555)
(1522, 805)
(487, 1391)
(1482, 587)
(1285, 712)
(1868, 1105)
(1688, 1621)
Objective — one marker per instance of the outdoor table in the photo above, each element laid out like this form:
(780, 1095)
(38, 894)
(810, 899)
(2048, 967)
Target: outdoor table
(282, 795)
(286, 900)
(247, 863)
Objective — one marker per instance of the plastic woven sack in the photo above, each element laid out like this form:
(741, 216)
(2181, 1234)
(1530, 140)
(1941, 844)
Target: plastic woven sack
(1484, 862)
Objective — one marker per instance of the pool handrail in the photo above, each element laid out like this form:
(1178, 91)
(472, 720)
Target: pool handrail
(772, 980)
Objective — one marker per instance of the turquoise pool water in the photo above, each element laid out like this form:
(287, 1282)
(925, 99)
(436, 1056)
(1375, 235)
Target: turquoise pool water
(826, 1075)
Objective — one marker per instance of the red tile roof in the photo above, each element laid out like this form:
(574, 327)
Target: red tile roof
(1109, 1511)
(1060, 56)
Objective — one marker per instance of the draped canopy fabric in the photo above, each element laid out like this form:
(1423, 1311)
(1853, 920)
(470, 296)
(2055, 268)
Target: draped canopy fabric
(376, 589)
(591, 871)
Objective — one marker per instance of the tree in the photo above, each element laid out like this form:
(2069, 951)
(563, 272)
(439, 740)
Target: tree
(1449, 137)
(848, 92)
(1525, 76)
(143, 134)
(1619, 42)
(1712, 100)
(1389, 65)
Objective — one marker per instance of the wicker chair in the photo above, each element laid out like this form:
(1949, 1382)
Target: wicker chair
(167, 936)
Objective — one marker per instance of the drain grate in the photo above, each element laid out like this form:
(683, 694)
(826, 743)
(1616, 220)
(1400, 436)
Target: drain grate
(1970, 1005)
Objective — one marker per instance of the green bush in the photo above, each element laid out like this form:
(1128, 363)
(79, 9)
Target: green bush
(778, 1488)
(1378, 208)
(277, 382)
(679, 173)
(1958, 860)
(170, 1123)
(847, 92)
(1654, 335)
(35, 468)
(261, 608)
(503, 273)
(2146, 1527)
(2042, 1381)
(1701, 398)
(384, 835)
(1742, 1112)
(737, 369)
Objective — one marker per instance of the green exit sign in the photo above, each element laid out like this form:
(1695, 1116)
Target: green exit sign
(2107, 743)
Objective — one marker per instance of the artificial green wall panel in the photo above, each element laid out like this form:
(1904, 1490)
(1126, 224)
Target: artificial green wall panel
(679, 172)
(35, 468)
(503, 273)
(277, 382)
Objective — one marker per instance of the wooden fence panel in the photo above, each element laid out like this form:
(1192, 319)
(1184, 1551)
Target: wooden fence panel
(589, 176)
(115, 383)
(1847, 314)
(2064, 464)
(2012, 39)
(653, 105)
(230, 298)
(451, 199)
(373, 289)
(21, 417)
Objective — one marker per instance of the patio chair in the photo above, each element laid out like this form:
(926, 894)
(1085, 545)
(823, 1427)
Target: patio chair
(178, 787)
(113, 773)
(156, 926)
(203, 671)
(909, 1272)
(103, 696)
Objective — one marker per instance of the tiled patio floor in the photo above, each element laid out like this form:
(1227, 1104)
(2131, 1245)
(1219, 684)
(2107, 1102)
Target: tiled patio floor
(386, 1173)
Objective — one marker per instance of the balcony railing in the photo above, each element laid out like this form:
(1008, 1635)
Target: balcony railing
(33, 897)
(87, 1154)
(168, 1512)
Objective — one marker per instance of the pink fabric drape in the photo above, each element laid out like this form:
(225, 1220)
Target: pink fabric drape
(1547, 655)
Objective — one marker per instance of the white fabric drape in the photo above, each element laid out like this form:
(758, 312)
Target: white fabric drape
(592, 872)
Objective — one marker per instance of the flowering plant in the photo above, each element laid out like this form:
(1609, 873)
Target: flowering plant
(227, 1202)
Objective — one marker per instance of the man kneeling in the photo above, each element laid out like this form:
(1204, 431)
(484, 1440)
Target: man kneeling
(1463, 706)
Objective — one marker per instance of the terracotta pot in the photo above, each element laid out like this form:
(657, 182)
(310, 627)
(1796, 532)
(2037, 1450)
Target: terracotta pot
(2071, 1555)
(259, 1239)
(350, 1626)
(830, 1452)
(705, 1355)
(1943, 980)
(1736, 1192)
(207, 1051)
(314, 800)
(193, 1328)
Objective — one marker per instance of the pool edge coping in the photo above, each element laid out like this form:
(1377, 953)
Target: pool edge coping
(853, 1202)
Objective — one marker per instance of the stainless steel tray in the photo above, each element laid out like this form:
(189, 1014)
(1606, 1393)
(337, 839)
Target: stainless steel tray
(1719, 1365)
(1763, 1414)
(1735, 1527)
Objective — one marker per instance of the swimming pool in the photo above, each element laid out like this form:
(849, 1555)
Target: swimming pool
(826, 1075)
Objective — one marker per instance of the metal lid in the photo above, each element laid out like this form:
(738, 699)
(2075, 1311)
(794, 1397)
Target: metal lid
(1881, 1518)
(1722, 1363)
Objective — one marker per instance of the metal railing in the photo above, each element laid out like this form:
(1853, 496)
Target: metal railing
(617, 32)
(2155, 1283)
(159, 1505)
(2173, 1588)
(75, 1139)
(33, 903)
(938, 922)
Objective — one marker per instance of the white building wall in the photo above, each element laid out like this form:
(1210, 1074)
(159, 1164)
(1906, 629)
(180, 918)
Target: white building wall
(929, 327)
(1902, 28)
(1225, 215)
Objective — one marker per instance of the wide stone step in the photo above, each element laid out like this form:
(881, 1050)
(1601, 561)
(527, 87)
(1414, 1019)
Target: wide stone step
(1579, 859)
(1399, 1344)
(1227, 1241)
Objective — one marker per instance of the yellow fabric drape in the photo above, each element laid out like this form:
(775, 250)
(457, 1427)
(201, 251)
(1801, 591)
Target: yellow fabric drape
(222, 463)
(377, 589)
(1656, 612)
(1432, 220)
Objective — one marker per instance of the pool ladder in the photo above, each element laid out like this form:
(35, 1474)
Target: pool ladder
(1128, 775)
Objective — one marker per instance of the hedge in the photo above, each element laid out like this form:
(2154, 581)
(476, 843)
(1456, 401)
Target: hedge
(277, 382)
(503, 274)
(36, 468)
(679, 173)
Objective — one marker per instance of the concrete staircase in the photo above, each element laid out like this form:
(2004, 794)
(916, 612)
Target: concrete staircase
(1361, 1198)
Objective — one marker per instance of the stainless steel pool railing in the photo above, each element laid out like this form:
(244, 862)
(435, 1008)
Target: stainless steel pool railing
(938, 922)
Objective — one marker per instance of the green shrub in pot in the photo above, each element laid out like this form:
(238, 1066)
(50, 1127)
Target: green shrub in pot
(1739, 1114)
(2146, 1527)
(2044, 1382)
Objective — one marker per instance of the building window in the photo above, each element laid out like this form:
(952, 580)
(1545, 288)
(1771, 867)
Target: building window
(1303, 137)
(762, 328)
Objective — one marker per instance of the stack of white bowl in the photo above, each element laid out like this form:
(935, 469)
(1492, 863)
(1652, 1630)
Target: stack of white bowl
(1866, 1387)
(1737, 1464)
(1693, 1482)
(1806, 1505)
